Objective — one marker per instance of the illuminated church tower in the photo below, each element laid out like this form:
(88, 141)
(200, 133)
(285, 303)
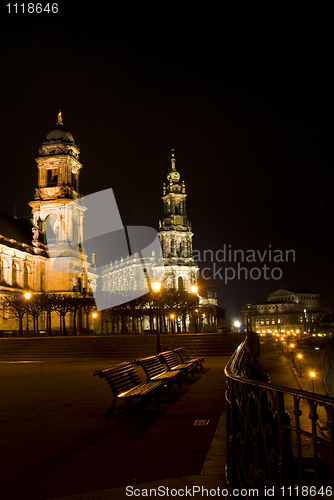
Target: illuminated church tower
(58, 184)
(175, 234)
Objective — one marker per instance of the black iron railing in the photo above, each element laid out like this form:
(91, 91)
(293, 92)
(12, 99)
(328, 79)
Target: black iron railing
(275, 445)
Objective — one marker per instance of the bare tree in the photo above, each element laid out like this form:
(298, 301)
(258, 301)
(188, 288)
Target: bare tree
(16, 307)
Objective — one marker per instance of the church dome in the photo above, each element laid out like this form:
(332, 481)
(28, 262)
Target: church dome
(59, 142)
(59, 134)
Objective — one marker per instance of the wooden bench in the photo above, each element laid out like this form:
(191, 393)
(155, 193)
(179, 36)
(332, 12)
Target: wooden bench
(155, 370)
(186, 359)
(125, 384)
(173, 363)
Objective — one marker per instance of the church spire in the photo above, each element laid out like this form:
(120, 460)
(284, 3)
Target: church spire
(173, 177)
(175, 233)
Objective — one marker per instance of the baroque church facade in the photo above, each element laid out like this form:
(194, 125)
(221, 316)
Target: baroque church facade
(25, 263)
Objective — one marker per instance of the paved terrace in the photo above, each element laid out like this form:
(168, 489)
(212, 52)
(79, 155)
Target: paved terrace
(56, 443)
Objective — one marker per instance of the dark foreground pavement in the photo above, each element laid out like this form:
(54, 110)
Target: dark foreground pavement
(55, 441)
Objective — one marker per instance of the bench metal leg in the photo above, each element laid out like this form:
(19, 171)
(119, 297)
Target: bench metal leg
(111, 409)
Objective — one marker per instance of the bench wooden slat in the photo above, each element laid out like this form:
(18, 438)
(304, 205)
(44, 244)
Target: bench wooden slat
(155, 370)
(186, 359)
(125, 383)
(173, 362)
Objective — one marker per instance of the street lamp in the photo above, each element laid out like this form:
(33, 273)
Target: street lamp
(194, 292)
(172, 316)
(156, 287)
(27, 296)
(312, 374)
(300, 364)
(94, 318)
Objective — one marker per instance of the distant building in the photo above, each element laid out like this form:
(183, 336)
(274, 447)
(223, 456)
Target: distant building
(285, 310)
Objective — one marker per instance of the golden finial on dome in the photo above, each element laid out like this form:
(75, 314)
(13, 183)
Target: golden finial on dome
(60, 118)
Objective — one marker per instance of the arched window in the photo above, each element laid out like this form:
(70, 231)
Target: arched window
(180, 283)
(52, 228)
(26, 274)
(172, 248)
(4, 270)
(75, 228)
(15, 274)
(74, 180)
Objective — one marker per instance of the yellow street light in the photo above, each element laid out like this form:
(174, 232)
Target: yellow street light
(94, 318)
(156, 286)
(312, 375)
(27, 296)
(300, 364)
(194, 289)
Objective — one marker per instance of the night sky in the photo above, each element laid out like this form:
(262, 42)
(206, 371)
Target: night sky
(243, 94)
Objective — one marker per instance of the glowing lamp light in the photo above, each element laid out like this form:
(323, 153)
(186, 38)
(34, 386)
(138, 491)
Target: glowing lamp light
(27, 295)
(94, 315)
(156, 286)
(194, 289)
(312, 374)
(237, 324)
